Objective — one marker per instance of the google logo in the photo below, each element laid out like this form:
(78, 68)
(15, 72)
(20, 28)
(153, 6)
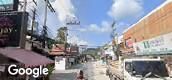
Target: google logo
(36, 72)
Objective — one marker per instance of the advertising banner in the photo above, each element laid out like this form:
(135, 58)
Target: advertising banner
(10, 29)
(158, 45)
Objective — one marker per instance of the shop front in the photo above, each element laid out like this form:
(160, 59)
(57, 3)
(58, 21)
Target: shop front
(64, 58)
(16, 60)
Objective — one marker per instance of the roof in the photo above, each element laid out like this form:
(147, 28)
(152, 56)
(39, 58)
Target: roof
(153, 11)
(26, 57)
(59, 49)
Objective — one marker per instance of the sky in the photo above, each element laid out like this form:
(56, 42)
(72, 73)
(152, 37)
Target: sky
(95, 16)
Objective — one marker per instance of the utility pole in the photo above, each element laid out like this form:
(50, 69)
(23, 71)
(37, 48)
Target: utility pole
(114, 37)
(45, 13)
(33, 24)
(47, 5)
(70, 21)
(23, 27)
(45, 25)
(66, 34)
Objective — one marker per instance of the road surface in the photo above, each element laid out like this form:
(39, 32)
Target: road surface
(92, 71)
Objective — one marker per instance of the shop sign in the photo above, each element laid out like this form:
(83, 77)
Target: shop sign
(129, 43)
(72, 21)
(158, 45)
(10, 29)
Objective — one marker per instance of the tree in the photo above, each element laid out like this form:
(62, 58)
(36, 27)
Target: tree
(50, 43)
(61, 35)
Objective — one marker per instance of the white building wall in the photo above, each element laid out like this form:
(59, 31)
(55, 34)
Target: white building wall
(60, 63)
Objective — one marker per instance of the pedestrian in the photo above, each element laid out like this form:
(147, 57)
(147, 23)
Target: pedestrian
(80, 75)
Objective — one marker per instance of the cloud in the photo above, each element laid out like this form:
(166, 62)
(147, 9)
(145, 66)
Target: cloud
(122, 9)
(30, 6)
(64, 9)
(104, 27)
(75, 40)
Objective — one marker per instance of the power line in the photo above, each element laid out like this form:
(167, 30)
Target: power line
(47, 27)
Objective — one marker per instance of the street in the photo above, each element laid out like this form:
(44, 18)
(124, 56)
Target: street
(85, 39)
(92, 71)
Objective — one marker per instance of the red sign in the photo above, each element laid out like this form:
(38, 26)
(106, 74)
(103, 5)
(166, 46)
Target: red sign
(129, 43)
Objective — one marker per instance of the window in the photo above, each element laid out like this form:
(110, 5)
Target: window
(128, 67)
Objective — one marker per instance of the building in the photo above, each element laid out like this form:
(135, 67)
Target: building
(150, 28)
(152, 35)
(13, 46)
(59, 50)
(64, 58)
(22, 58)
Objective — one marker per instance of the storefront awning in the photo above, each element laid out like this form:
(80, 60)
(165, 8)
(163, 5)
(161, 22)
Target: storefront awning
(26, 57)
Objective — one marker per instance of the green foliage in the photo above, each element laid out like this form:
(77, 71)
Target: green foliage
(50, 42)
(61, 35)
(50, 70)
(60, 39)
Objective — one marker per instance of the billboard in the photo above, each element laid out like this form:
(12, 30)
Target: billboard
(158, 45)
(10, 29)
(9, 5)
